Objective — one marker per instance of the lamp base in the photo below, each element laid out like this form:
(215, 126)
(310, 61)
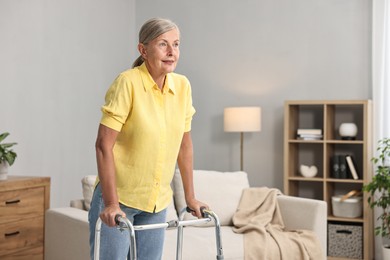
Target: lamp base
(242, 151)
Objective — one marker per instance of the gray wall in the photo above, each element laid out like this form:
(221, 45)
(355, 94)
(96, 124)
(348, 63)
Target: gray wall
(58, 58)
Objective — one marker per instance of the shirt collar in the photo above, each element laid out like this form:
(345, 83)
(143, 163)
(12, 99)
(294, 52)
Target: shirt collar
(169, 85)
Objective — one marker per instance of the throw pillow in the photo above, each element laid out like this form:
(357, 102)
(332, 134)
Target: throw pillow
(220, 190)
(88, 185)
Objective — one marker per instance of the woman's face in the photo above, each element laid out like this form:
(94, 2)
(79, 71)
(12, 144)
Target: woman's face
(161, 54)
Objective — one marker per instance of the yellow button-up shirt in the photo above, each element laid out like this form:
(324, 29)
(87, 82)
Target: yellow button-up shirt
(151, 124)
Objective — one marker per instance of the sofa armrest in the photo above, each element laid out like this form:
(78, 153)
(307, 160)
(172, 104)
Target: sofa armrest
(79, 204)
(66, 234)
(309, 214)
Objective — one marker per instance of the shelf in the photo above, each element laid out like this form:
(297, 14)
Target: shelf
(339, 258)
(306, 141)
(328, 115)
(344, 141)
(355, 220)
(344, 180)
(297, 178)
(327, 141)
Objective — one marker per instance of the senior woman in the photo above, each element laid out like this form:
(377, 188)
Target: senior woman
(143, 133)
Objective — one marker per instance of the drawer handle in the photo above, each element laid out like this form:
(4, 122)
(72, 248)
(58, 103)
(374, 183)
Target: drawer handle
(12, 234)
(12, 202)
(343, 231)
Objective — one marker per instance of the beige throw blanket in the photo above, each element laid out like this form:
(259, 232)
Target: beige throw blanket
(265, 238)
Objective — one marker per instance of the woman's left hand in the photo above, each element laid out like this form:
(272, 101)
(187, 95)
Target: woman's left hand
(196, 205)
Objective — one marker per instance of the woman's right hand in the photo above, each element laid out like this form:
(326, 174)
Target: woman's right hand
(109, 213)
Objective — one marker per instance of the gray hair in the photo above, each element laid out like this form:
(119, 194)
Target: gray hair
(150, 30)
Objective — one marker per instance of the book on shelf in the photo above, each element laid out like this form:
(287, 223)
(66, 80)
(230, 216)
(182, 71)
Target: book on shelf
(351, 167)
(343, 167)
(334, 165)
(309, 137)
(307, 131)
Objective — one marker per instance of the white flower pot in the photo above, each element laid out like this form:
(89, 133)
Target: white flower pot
(385, 252)
(3, 170)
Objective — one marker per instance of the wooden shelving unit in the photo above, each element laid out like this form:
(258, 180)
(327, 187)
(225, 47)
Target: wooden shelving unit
(328, 115)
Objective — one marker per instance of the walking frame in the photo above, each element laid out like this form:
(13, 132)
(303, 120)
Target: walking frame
(124, 223)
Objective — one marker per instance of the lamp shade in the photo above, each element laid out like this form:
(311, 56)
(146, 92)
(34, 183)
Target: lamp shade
(242, 119)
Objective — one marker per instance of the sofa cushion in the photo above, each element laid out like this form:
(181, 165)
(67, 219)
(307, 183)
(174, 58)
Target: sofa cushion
(220, 190)
(200, 243)
(88, 185)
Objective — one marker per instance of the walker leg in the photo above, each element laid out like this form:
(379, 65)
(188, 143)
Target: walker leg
(217, 233)
(179, 246)
(121, 224)
(206, 214)
(96, 250)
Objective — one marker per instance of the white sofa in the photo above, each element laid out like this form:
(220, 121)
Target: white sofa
(66, 229)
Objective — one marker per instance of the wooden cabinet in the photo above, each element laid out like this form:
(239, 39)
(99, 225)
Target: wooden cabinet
(23, 202)
(328, 116)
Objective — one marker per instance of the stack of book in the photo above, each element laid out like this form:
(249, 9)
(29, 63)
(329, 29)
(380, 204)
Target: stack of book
(309, 134)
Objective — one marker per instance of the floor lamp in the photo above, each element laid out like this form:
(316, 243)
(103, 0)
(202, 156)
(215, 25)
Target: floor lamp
(242, 119)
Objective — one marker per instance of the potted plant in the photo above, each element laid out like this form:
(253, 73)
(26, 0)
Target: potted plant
(379, 191)
(7, 156)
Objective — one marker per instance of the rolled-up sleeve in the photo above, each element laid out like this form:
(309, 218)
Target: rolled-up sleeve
(118, 103)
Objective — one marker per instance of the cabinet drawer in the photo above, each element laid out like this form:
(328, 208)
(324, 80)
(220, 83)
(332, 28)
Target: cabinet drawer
(21, 235)
(35, 253)
(16, 205)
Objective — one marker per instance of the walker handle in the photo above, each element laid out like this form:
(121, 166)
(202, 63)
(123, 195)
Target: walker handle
(117, 219)
(202, 209)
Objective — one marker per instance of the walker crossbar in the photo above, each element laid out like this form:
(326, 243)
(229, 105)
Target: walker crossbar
(123, 223)
(169, 224)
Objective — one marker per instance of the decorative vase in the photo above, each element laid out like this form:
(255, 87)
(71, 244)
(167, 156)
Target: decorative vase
(3, 170)
(348, 131)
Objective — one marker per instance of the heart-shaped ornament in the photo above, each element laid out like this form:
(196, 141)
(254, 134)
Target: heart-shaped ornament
(308, 171)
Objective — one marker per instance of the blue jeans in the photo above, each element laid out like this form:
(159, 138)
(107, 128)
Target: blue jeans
(114, 244)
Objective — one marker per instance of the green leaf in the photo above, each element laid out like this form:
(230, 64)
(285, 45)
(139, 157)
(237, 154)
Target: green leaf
(7, 145)
(6, 154)
(10, 158)
(3, 136)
